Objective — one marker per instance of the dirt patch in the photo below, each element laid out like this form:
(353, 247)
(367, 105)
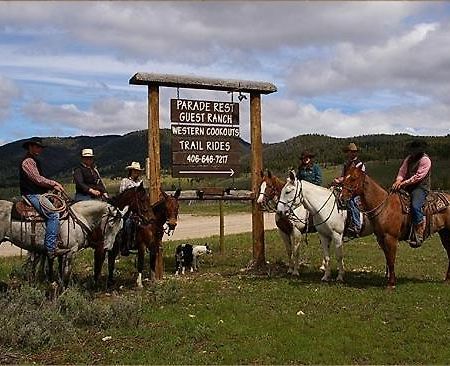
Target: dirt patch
(189, 227)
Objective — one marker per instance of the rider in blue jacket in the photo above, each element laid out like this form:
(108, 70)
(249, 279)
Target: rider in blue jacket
(308, 169)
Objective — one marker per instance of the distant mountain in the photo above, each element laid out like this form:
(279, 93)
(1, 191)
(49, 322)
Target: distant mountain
(114, 152)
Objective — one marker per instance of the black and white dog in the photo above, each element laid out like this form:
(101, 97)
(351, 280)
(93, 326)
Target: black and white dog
(187, 255)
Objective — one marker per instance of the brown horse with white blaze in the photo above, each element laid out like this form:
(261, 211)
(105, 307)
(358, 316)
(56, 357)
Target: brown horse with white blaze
(151, 219)
(390, 224)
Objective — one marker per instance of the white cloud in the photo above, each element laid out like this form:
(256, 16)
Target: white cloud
(416, 61)
(108, 116)
(9, 91)
(286, 118)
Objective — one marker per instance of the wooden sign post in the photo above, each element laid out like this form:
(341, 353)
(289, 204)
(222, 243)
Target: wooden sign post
(255, 89)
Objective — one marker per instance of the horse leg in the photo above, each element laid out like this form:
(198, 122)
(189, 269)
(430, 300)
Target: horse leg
(297, 241)
(140, 263)
(112, 255)
(153, 255)
(287, 243)
(326, 257)
(339, 247)
(445, 240)
(99, 258)
(390, 250)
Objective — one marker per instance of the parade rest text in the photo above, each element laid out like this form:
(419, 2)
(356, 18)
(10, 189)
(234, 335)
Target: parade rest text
(199, 111)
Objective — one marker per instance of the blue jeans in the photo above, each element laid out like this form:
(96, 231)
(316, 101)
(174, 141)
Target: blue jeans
(354, 212)
(82, 197)
(51, 221)
(418, 196)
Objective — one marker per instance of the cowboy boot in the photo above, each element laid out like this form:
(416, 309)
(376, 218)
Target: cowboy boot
(419, 230)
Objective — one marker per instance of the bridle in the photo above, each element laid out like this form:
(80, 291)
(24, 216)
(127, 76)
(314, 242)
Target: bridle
(374, 212)
(270, 202)
(299, 194)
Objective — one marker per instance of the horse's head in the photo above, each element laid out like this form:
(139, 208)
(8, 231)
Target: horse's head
(111, 223)
(268, 191)
(167, 208)
(136, 198)
(353, 183)
(290, 196)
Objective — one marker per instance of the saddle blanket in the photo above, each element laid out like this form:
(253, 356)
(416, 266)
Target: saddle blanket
(434, 203)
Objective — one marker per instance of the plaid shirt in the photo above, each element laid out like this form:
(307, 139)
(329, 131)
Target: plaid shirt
(32, 172)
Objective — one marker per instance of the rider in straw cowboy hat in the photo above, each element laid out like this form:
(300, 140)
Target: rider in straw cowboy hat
(309, 170)
(32, 185)
(133, 180)
(88, 183)
(414, 176)
(352, 160)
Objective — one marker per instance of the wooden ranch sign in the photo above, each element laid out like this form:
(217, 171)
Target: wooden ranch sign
(205, 138)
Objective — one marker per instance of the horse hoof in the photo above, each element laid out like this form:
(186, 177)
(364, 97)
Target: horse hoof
(340, 279)
(296, 273)
(325, 279)
(390, 288)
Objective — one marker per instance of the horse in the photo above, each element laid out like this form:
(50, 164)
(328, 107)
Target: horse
(390, 224)
(88, 224)
(151, 221)
(291, 231)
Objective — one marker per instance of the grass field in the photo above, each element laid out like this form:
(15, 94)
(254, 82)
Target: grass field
(225, 315)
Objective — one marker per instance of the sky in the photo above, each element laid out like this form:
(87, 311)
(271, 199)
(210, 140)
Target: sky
(341, 68)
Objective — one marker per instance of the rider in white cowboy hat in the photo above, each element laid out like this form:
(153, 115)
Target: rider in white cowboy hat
(133, 179)
(88, 183)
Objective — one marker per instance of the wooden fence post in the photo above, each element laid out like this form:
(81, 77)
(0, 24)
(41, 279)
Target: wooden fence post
(154, 161)
(256, 167)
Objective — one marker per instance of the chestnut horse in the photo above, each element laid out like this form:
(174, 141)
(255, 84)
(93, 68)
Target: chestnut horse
(291, 232)
(389, 222)
(150, 229)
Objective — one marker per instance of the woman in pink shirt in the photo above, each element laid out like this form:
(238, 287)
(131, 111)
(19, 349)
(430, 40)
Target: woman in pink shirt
(415, 177)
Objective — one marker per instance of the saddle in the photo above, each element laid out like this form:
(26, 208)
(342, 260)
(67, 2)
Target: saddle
(23, 211)
(434, 203)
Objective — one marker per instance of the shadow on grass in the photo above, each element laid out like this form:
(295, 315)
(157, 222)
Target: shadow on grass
(354, 279)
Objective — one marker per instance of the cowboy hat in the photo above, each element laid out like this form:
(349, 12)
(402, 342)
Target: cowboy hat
(351, 147)
(306, 154)
(87, 153)
(134, 165)
(33, 141)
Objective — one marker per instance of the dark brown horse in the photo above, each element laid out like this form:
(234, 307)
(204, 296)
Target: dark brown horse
(390, 224)
(151, 220)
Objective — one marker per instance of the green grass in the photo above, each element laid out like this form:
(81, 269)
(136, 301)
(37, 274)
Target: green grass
(224, 315)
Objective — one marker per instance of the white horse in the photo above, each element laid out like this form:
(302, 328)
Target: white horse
(88, 219)
(291, 230)
(328, 219)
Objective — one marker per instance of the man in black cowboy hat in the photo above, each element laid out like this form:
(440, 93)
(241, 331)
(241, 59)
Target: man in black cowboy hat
(308, 170)
(414, 176)
(351, 150)
(32, 185)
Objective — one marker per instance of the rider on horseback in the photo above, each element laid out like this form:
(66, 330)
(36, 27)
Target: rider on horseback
(414, 176)
(308, 169)
(88, 183)
(351, 150)
(32, 185)
(133, 180)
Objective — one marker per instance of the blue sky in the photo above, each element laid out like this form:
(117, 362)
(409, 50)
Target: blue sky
(341, 68)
